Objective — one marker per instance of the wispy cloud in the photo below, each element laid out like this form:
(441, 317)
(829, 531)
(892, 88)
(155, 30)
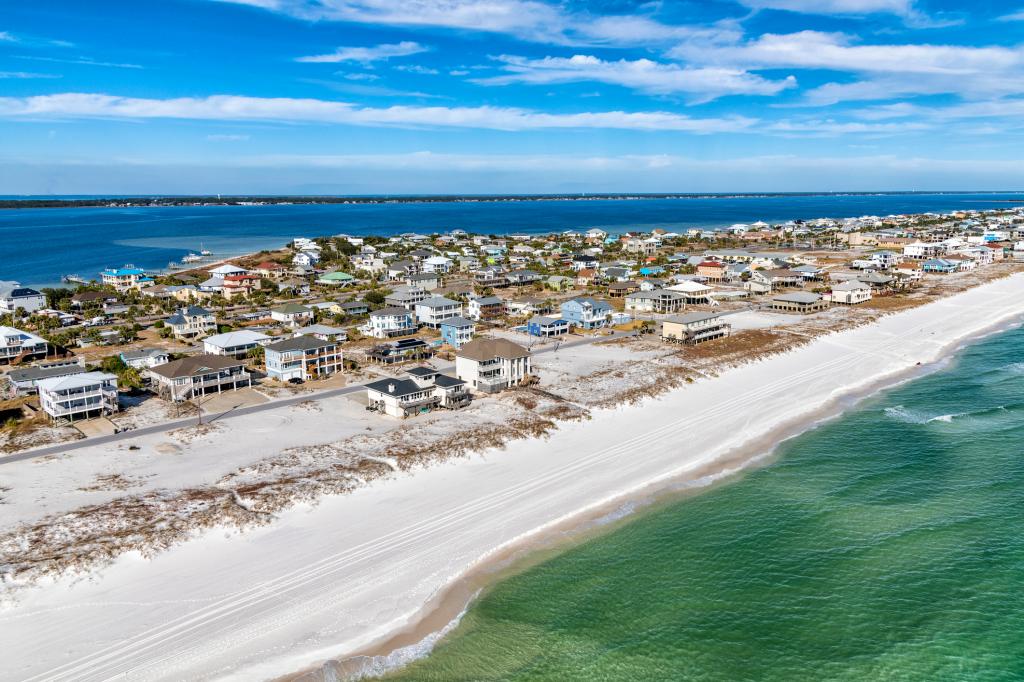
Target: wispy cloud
(26, 75)
(236, 108)
(86, 61)
(644, 75)
(227, 138)
(417, 69)
(6, 36)
(367, 55)
(1013, 16)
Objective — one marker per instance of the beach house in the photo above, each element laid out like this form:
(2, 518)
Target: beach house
(656, 301)
(801, 302)
(431, 312)
(336, 279)
(17, 346)
(292, 314)
(851, 292)
(483, 308)
(25, 380)
(226, 270)
(239, 285)
(546, 327)
(401, 350)
(303, 358)
(712, 271)
(406, 296)
(389, 322)
(586, 312)
(423, 390)
(323, 332)
(79, 396)
(14, 297)
(197, 375)
(940, 265)
(694, 328)
(235, 344)
(144, 358)
(491, 365)
(191, 322)
(457, 331)
(126, 278)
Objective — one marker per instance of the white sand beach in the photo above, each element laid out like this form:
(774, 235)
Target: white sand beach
(324, 581)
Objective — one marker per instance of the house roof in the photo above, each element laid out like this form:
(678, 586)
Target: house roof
(64, 383)
(851, 285)
(320, 329)
(798, 297)
(690, 318)
(488, 300)
(195, 365)
(388, 312)
(14, 289)
(437, 302)
(487, 349)
(458, 321)
(235, 338)
(142, 353)
(544, 320)
(301, 342)
(39, 373)
(226, 269)
(291, 309)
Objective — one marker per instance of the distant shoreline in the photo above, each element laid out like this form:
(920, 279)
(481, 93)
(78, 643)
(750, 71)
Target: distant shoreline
(123, 201)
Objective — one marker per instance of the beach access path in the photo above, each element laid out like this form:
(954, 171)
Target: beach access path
(324, 581)
(274, 404)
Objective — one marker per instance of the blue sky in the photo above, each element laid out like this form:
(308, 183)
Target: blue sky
(399, 96)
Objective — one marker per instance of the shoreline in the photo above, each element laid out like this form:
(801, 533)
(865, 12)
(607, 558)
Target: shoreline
(442, 615)
(344, 587)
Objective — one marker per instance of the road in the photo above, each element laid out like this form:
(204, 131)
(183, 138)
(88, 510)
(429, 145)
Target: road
(164, 427)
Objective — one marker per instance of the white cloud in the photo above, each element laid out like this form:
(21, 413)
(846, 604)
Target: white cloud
(85, 61)
(647, 76)
(7, 36)
(417, 69)
(1013, 16)
(855, 7)
(227, 138)
(359, 76)
(238, 108)
(20, 75)
(367, 55)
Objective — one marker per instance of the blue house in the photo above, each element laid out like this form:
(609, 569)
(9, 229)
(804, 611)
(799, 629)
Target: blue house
(652, 270)
(586, 312)
(546, 326)
(457, 331)
(940, 265)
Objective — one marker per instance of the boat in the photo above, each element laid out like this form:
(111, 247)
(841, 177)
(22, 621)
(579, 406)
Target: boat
(205, 251)
(192, 258)
(73, 279)
(174, 266)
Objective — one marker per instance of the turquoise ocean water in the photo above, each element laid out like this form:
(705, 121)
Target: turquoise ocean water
(884, 545)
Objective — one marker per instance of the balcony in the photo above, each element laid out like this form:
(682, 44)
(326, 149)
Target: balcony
(491, 384)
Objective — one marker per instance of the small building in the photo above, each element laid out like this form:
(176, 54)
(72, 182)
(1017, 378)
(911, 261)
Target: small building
(424, 390)
(620, 289)
(491, 365)
(851, 293)
(198, 375)
(406, 297)
(14, 297)
(302, 357)
(940, 265)
(323, 332)
(191, 322)
(546, 327)
(713, 271)
(432, 311)
(17, 346)
(236, 344)
(586, 312)
(336, 278)
(292, 314)
(145, 358)
(226, 270)
(801, 302)
(79, 396)
(351, 308)
(694, 328)
(427, 281)
(457, 331)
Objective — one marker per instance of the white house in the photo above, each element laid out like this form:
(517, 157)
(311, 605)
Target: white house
(490, 365)
(14, 296)
(921, 250)
(306, 259)
(292, 314)
(851, 292)
(438, 264)
(236, 344)
(90, 394)
(18, 345)
(425, 389)
(145, 358)
(222, 271)
(126, 278)
(435, 310)
(388, 322)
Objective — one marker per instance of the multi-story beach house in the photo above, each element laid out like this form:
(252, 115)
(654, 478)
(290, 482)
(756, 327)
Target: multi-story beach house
(197, 375)
(438, 264)
(713, 271)
(25, 380)
(484, 308)
(145, 358)
(427, 281)
(227, 270)
(801, 302)
(191, 322)
(406, 296)
(431, 312)
(851, 292)
(389, 322)
(125, 279)
(239, 286)
(546, 327)
(923, 250)
(586, 312)
(292, 314)
(424, 390)
(303, 357)
(694, 328)
(17, 346)
(656, 301)
(235, 344)
(14, 297)
(79, 396)
(492, 365)
(457, 331)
